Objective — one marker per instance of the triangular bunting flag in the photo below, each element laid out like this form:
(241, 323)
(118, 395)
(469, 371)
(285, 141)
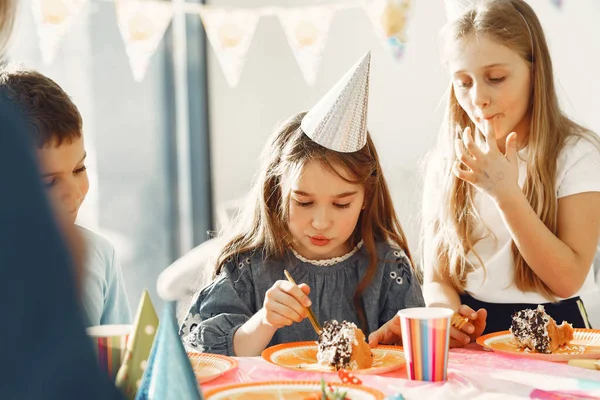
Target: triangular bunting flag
(53, 19)
(130, 374)
(230, 33)
(389, 19)
(306, 29)
(169, 374)
(142, 24)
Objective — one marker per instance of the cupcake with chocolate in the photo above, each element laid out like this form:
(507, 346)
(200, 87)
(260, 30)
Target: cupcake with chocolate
(537, 331)
(343, 346)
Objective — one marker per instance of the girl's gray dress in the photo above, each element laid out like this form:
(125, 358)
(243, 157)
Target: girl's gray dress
(239, 292)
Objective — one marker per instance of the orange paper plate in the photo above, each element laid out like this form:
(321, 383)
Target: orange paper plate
(286, 390)
(210, 366)
(303, 356)
(585, 344)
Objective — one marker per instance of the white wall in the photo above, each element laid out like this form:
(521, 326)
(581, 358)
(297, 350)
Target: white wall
(405, 101)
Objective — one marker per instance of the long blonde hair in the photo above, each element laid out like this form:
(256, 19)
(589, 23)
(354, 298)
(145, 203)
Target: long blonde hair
(514, 24)
(8, 10)
(262, 223)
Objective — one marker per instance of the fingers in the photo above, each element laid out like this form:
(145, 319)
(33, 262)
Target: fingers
(389, 333)
(490, 134)
(463, 156)
(455, 343)
(468, 328)
(385, 335)
(462, 174)
(374, 337)
(479, 323)
(287, 307)
(295, 291)
(469, 143)
(511, 147)
(482, 314)
(285, 298)
(459, 336)
(474, 328)
(305, 289)
(467, 311)
(278, 315)
(462, 323)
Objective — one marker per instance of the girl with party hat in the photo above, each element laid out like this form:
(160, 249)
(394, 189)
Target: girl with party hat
(512, 193)
(320, 209)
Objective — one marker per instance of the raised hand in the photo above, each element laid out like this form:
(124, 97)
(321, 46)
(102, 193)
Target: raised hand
(489, 170)
(285, 303)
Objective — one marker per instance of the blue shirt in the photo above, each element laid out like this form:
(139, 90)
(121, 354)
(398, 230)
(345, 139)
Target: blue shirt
(239, 292)
(104, 297)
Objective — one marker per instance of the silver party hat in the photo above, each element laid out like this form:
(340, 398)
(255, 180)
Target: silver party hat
(456, 8)
(339, 120)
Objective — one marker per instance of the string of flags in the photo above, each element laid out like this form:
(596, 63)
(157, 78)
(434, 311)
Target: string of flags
(142, 24)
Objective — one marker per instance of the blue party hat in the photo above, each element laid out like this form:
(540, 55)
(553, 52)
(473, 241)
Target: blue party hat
(169, 374)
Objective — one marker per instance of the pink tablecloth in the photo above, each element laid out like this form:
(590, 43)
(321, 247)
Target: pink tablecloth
(472, 374)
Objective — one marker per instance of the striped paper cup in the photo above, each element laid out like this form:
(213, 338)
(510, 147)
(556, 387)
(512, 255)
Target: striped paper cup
(426, 338)
(110, 342)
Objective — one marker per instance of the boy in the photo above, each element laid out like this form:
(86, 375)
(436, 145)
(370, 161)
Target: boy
(55, 126)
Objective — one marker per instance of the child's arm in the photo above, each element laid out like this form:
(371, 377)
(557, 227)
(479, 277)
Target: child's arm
(438, 289)
(561, 261)
(225, 318)
(219, 310)
(439, 292)
(284, 304)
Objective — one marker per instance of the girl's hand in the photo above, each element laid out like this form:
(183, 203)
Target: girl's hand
(389, 333)
(285, 304)
(490, 171)
(471, 330)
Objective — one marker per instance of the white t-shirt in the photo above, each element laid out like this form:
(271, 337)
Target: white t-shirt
(578, 171)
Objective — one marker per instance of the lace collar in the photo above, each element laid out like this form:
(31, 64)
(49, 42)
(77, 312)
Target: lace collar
(330, 261)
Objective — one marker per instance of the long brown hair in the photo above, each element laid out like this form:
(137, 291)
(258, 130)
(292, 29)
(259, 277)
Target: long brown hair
(514, 24)
(262, 223)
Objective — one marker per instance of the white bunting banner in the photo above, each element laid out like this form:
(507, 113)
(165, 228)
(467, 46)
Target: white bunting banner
(142, 24)
(53, 19)
(390, 19)
(230, 33)
(306, 29)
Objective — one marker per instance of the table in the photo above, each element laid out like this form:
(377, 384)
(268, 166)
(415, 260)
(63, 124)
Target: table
(473, 373)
